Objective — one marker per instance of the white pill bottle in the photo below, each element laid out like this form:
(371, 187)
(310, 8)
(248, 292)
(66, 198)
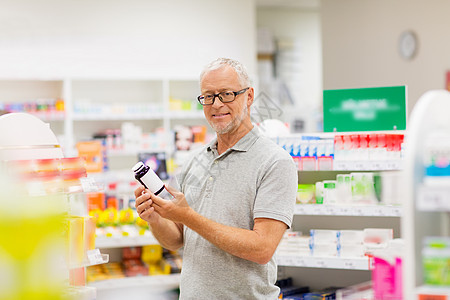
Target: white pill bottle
(148, 178)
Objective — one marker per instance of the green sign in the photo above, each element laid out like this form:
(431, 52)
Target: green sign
(366, 109)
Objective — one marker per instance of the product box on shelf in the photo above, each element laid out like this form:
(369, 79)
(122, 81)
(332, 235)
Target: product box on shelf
(436, 261)
(345, 151)
(92, 152)
(387, 271)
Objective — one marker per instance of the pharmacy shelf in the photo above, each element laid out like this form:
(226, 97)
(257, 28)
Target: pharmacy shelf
(356, 263)
(155, 282)
(377, 165)
(433, 292)
(126, 241)
(79, 292)
(117, 117)
(348, 210)
(50, 116)
(433, 198)
(186, 114)
(123, 152)
(361, 291)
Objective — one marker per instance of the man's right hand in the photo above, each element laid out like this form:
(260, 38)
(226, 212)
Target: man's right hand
(144, 205)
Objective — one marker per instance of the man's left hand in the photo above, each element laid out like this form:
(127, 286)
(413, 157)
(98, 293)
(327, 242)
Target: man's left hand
(175, 209)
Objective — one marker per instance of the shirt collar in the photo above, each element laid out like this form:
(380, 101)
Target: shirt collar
(243, 144)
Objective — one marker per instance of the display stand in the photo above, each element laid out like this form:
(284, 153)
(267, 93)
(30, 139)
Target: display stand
(51, 185)
(430, 114)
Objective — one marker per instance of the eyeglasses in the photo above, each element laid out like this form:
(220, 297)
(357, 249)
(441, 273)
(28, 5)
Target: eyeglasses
(225, 97)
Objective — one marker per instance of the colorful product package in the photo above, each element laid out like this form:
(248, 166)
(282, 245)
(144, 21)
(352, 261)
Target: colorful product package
(306, 194)
(436, 261)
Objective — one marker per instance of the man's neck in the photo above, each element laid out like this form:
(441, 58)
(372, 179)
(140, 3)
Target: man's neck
(229, 139)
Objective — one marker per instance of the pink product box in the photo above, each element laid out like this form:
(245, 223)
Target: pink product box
(387, 278)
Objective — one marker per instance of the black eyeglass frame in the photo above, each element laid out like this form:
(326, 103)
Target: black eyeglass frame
(220, 98)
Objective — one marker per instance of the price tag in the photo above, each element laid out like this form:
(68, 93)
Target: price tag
(320, 263)
(349, 264)
(351, 165)
(344, 211)
(378, 211)
(359, 166)
(88, 184)
(300, 209)
(289, 261)
(94, 257)
(340, 166)
(396, 212)
(391, 165)
(329, 210)
(359, 211)
(374, 165)
(300, 262)
(320, 210)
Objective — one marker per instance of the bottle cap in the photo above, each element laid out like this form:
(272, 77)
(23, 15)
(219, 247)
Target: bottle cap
(138, 166)
(329, 185)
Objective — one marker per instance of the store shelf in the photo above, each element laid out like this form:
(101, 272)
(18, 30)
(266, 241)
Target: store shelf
(155, 282)
(50, 116)
(362, 291)
(126, 241)
(428, 292)
(348, 210)
(79, 292)
(357, 263)
(121, 152)
(117, 117)
(378, 165)
(186, 114)
(434, 198)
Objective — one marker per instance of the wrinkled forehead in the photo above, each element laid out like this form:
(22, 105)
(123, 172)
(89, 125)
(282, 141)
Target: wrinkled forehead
(220, 79)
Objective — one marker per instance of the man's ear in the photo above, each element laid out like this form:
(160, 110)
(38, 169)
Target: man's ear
(251, 96)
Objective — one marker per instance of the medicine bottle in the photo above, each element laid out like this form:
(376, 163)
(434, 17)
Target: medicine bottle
(148, 178)
(329, 192)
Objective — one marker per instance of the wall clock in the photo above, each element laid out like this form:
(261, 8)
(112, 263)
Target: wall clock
(408, 44)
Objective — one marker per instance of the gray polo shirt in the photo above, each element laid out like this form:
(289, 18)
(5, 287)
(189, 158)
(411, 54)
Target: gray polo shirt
(253, 179)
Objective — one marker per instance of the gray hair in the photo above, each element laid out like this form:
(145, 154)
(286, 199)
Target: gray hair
(236, 65)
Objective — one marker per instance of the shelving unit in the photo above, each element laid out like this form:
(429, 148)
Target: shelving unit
(348, 210)
(120, 242)
(426, 210)
(381, 165)
(26, 91)
(95, 104)
(323, 272)
(355, 263)
(156, 282)
(58, 187)
(159, 287)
